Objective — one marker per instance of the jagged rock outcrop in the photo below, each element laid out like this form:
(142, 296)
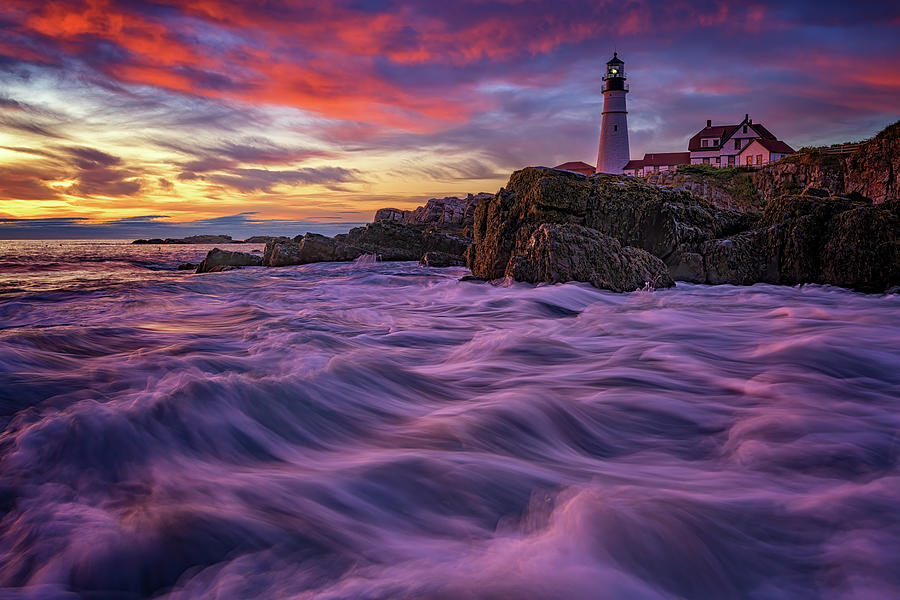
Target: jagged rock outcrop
(216, 259)
(558, 253)
(669, 223)
(809, 239)
(872, 171)
(387, 240)
(798, 239)
(444, 213)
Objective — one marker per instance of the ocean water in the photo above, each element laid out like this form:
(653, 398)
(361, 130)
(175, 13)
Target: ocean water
(388, 432)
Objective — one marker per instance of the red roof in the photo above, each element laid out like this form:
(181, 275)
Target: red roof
(661, 159)
(773, 146)
(577, 166)
(723, 133)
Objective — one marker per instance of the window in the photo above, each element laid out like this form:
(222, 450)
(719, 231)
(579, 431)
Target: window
(705, 160)
(704, 143)
(731, 159)
(718, 160)
(745, 129)
(615, 127)
(759, 159)
(749, 160)
(737, 144)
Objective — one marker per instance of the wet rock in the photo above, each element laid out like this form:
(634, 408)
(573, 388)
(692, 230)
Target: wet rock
(221, 268)
(225, 258)
(559, 253)
(813, 240)
(386, 240)
(186, 266)
(393, 241)
(442, 259)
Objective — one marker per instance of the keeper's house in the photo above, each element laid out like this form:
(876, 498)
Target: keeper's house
(746, 144)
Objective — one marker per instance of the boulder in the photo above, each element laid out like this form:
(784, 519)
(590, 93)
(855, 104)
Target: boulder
(442, 259)
(225, 258)
(186, 266)
(309, 248)
(558, 253)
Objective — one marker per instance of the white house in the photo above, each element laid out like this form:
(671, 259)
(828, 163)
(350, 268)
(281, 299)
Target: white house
(722, 145)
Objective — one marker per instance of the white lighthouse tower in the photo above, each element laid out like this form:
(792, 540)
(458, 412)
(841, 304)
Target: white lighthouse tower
(614, 154)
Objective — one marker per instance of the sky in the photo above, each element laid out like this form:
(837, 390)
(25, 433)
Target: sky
(125, 118)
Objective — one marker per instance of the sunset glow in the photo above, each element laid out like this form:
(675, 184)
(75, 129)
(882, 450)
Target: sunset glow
(288, 115)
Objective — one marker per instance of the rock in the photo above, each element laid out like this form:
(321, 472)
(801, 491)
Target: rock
(558, 253)
(310, 248)
(186, 266)
(668, 223)
(265, 239)
(393, 215)
(727, 188)
(393, 241)
(387, 240)
(797, 239)
(225, 258)
(871, 171)
(444, 213)
(813, 240)
(814, 191)
(220, 268)
(442, 259)
(191, 239)
(472, 278)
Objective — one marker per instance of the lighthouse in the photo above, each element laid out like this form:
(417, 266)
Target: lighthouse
(613, 154)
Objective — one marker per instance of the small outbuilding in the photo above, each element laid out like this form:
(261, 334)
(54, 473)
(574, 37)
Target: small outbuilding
(762, 151)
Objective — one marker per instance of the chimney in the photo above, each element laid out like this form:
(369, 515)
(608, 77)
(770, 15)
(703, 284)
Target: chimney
(709, 122)
(749, 121)
(746, 116)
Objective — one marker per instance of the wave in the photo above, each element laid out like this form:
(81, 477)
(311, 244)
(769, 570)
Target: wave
(386, 431)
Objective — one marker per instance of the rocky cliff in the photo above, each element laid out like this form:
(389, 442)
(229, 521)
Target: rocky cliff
(872, 171)
(798, 238)
(726, 188)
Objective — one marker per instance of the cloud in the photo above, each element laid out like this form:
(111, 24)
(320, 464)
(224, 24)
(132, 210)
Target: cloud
(239, 226)
(262, 180)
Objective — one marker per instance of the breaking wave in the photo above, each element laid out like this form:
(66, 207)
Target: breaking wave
(385, 431)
